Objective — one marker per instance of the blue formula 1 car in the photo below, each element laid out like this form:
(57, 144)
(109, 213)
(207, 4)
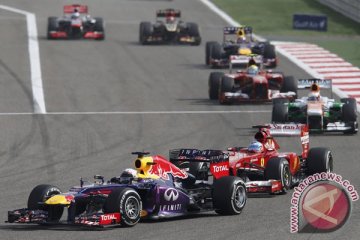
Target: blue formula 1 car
(156, 189)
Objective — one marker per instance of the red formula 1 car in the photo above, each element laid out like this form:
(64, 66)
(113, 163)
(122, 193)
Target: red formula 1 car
(262, 167)
(252, 85)
(75, 24)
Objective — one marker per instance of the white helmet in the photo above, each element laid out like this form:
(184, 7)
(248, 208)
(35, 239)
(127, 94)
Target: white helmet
(129, 173)
(314, 96)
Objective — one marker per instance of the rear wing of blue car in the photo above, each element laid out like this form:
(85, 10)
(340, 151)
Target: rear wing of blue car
(186, 154)
(236, 30)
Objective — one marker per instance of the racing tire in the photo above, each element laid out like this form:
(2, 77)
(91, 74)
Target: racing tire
(40, 194)
(289, 85)
(350, 101)
(349, 116)
(145, 31)
(280, 101)
(214, 85)
(208, 50)
(319, 160)
(229, 195)
(279, 169)
(52, 26)
(279, 112)
(99, 27)
(127, 202)
(269, 53)
(216, 51)
(226, 85)
(194, 31)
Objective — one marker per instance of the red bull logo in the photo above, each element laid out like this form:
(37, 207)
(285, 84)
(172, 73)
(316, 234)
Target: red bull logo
(163, 167)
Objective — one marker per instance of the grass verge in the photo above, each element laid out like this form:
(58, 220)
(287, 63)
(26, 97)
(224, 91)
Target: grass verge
(273, 20)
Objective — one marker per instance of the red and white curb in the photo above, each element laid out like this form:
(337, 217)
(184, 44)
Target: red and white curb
(320, 63)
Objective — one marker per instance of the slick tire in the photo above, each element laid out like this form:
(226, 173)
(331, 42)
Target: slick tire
(269, 53)
(319, 160)
(99, 27)
(279, 112)
(226, 85)
(52, 26)
(194, 31)
(289, 85)
(40, 194)
(229, 195)
(216, 51)
(350, 101)
(214, 85)
(127, 202)
(279, 169)
(145, 31)
(208, 49)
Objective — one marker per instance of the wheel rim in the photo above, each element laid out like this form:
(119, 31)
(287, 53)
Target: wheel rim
(286, 176)
(132, 208)
(329, 167)
(239, 196)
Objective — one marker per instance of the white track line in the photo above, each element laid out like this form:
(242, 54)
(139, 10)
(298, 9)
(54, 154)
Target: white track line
(142, 112)
(34, 55)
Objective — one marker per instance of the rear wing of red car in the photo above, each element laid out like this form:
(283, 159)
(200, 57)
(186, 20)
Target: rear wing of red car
(168, 13)
(75, 7)
(291, 129)
(217, 159)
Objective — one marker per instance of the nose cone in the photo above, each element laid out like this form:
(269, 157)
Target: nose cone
(244, 51)
(59, 200)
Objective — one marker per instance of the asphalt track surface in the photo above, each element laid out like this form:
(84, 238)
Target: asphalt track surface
(119, 75)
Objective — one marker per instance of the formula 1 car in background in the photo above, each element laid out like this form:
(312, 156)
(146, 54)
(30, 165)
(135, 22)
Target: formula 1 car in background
(156, 189)
(262, 167)
(252, 85)
(169, 28)
(238, 41)
(75, 24)
(320, 113)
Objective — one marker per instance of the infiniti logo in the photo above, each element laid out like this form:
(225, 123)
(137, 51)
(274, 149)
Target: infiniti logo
(171, 194)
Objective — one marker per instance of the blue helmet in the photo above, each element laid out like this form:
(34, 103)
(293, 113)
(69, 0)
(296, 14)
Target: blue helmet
(255, 147)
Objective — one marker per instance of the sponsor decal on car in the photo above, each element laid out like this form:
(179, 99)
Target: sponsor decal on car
(171, 194)
(110, 218)
(220, 169)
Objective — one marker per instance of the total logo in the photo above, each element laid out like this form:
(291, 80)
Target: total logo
(171, 194)
(220, 168)
(108, 217)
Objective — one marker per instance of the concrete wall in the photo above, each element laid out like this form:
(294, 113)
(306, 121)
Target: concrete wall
(349, 8)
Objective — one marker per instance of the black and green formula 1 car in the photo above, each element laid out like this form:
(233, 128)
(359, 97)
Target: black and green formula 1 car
(320, 113)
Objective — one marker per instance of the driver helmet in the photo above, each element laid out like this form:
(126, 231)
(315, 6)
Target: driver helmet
(253, 70)
(75, 14)
(314, 95)
(129, 173)
(241, 39)
(255, 147)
